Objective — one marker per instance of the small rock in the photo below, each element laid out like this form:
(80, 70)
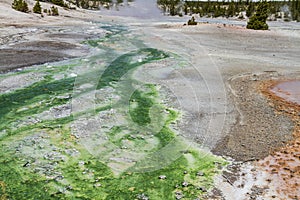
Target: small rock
(185, 152)
(81, 163)
(62, 190)
(178, 195)
(185, 184)
(162, 177)
(200, 173)
(59, 178)
(69, 187)
(253, 170)
(73, 75)
(217, 163)
(97, 185)
(142, 197)
(203, 189)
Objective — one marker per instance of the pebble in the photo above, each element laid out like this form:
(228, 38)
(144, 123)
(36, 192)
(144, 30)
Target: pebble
(162, 177)
(179, 195)
(142, 197)
(97, 185)
(200, 173)
(81, 163)
(203, 189)
(185, 184)
(69, 187)
(59, 178)
(73, 75)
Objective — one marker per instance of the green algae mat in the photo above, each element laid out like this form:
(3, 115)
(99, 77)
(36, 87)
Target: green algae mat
(88, 129)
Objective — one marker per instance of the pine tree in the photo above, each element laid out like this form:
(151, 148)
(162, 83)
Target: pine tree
(258, 20)
(37, 7)
(171, 5)
(231, 9)
(295, 9)
(58, 2)
(250, 9)
(20, 5)
(54, 11)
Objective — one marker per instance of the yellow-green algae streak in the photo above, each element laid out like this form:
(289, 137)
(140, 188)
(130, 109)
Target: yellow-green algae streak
(40, 157)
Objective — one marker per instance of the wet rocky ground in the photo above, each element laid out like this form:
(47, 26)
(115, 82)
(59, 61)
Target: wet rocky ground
(256, 132)
(252, 128)
(81, 127)
(39, 45)
(212, 77)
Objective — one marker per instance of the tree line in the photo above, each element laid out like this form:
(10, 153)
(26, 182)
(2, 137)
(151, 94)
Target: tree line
(22, 6)
(97, 4)
(288, 10)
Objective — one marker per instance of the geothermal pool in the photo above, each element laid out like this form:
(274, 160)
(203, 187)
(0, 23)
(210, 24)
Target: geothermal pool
(288, 90)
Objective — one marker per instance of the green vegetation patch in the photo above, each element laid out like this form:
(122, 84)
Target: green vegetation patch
(124, 63)
(143, 103)
(47, 160)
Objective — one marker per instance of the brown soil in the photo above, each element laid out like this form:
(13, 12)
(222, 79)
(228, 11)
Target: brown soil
(46, 45)
(14, 58)
(275, 173)
(283, 165)
(17, 52)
